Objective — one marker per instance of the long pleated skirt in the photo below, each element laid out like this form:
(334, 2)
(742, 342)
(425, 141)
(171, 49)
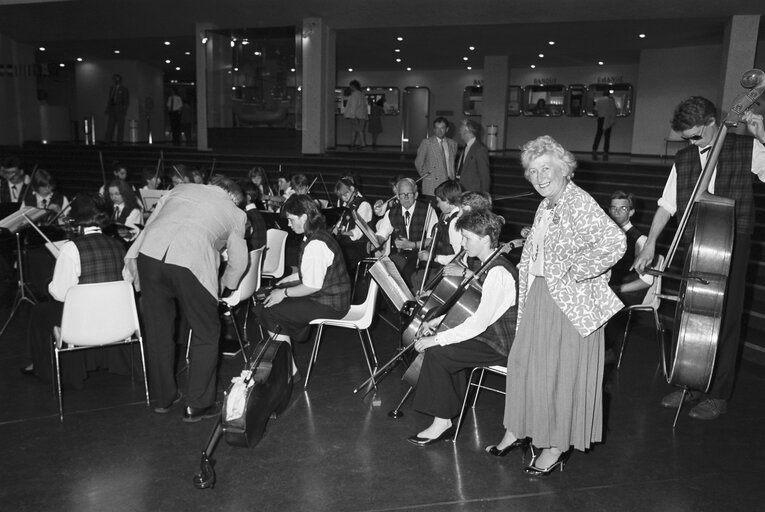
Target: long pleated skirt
(554, 378)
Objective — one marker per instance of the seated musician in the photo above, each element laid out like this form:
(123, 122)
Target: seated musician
(629, 286)
(319, 289)
(178, 175)
(125, 209)
(90, 258)
(448, 239)
(472, 201)
(352, 241)
(405, 224)
(256, 224)
(152, 179)
(119, 172)
(14, 181)
(484, 338)
(45, 194)
(259, 178)
(196, 176)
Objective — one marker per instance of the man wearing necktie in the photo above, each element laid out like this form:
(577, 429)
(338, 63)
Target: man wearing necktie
(473, 170)
(740, 157)
(116, 108)
(14, 182)
(404, 223)
(435, 158)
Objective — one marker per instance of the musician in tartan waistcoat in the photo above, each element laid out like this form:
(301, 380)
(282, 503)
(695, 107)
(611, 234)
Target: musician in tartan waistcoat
(483, 339)
(741, 156)
(90, 258)
(404, 224)
(320, 288)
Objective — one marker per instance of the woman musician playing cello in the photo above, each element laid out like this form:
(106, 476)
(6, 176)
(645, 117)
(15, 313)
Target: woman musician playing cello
(482, 339)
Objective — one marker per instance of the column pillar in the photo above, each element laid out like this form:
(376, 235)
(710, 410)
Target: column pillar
(494, 109)
(202, 55)
(318, 85)
(738, 53)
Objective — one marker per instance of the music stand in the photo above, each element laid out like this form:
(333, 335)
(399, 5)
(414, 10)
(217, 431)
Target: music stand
(14, 223)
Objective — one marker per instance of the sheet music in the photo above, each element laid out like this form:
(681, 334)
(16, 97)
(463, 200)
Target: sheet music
(18, 220)
(150, 198)
(391, 283)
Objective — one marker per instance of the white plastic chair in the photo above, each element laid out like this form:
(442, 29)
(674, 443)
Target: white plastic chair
(498, 370)
(650, 304)
(273, 264)
(359, 317)
(245, 291)
(97, 315)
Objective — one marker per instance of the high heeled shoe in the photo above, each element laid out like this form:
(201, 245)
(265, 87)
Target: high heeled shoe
(493, 450)
(533, 470)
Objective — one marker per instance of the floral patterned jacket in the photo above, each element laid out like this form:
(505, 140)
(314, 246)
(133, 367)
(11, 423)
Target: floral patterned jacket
(581, 245)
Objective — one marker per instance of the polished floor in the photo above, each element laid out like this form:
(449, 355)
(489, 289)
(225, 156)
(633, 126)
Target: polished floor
(336, 451)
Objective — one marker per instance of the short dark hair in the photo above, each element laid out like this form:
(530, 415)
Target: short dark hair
(482, 223)
(299, 204)
(11, 161)
(43, 178)
(693, 111)
(472, 127)
(476, 200)
(620, 194)
(85, 210)
(250, 191)
(449, 191)
(440, 119)
(355, 83)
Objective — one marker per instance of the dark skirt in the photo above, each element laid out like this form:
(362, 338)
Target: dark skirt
(293, 315)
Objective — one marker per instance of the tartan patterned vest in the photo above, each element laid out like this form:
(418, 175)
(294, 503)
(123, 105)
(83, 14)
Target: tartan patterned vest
(620, 273)
(101, 258)
(500, 334)
(336, 290)
(416, 223)
(444, 248)
(733, 179)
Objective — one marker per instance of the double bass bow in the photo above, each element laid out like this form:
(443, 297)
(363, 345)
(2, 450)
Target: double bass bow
(703, 282)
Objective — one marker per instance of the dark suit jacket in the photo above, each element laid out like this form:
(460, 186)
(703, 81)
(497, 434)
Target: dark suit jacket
(474, 172)
(119, 104)
(5, 192)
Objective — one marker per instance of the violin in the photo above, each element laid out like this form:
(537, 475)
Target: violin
(346, 222)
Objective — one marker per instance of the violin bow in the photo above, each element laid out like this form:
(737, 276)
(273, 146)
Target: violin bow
(329, 197)
(212, 171)
(424, 232)
(103, 170)
(23, 198)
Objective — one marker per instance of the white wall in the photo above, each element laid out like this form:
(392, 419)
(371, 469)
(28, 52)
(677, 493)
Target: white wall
(666, 77)
(93, 80)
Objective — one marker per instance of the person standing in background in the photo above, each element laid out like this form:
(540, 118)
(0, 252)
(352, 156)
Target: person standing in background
(116, 108)
(174, 107)
(356, 112)
(435, 158)
(376, 113)
(605, 109)
(473, 171)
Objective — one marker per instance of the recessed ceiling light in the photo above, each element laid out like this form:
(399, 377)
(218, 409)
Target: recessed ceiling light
(399, 38)
(464, 58)
(551, 43)
(408, 69)
(79, 59)
(350, 70)
(292, 69)
(187, 53)
(533, 66)
(62, 65)
(469, 68)
(245, 42)
(167, 43)
(177, 68)
(257, 53)
(541, 55)
(398, 60)
(167, 61)
(42, 48)
(471, 48)
(236, 69)
(641, 36)
(116, 52)
(397, 50)
(600, 63)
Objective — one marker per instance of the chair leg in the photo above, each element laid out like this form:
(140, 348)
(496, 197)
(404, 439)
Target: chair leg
(478, 386)
(624, 339)
(236, 331)
(145, 378)
(372, 348)
(464, 400)
(58, 387)
(366, 357)
(314, 354)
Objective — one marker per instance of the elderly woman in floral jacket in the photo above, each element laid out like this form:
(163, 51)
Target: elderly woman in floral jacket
(555, 366)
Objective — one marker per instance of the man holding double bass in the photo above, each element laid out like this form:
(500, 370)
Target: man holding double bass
(741, 156)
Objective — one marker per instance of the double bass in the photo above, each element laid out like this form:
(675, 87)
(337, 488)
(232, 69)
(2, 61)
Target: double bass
(689, 361)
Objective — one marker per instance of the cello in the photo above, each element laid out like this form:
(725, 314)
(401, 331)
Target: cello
(690, 359)
(260, 392)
